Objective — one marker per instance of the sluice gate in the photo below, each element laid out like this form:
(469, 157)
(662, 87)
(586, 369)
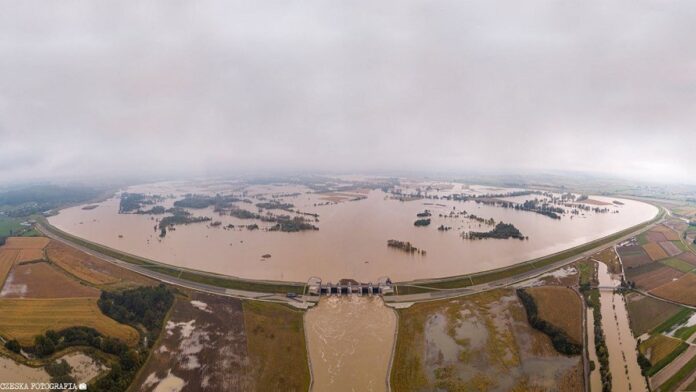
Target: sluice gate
(349, 287)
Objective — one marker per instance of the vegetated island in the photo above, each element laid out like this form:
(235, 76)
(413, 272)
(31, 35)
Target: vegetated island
(501, 231)
(422, 222)
(405, 246)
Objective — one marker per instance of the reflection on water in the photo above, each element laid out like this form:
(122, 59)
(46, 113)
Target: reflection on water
(350, 341)
(623, 361)
(351, 242)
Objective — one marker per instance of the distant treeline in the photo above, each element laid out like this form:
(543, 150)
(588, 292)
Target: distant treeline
(34, 199)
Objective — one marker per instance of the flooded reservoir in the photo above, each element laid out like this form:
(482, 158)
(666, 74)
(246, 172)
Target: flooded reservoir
(352, 230)
(621, 345)
(350, 342)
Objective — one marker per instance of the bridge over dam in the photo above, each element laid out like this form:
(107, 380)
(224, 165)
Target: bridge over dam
(316, 287)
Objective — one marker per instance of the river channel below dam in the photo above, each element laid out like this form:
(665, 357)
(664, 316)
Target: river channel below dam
(350, 342)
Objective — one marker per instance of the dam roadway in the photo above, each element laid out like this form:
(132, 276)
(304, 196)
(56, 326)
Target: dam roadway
(305, 301)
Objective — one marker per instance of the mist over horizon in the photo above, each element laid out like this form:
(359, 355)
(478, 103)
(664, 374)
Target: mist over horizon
(98, 91)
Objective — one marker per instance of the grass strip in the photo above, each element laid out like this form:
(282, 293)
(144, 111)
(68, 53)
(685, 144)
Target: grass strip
(679, 376)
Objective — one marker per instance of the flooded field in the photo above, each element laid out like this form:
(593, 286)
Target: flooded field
(354, 226)
(350, 341)
(621, 345)
(478, 343)
(204, 343)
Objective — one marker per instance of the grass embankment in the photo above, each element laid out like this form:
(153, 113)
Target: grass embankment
(23, 319)
(276, 346)
(518, 269)
(181, 273)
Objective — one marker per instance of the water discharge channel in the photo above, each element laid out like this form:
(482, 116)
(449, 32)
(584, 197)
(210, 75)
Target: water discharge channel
(350, 341)
(621, 345)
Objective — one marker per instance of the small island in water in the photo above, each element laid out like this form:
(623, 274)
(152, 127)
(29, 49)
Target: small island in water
(501, 231)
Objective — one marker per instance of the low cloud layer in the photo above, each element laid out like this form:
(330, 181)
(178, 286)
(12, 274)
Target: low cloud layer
(98, 88)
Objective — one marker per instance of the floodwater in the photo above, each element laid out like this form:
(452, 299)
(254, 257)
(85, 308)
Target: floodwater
(623, 361)
(595, 376)
(350, 341)
(352, 238)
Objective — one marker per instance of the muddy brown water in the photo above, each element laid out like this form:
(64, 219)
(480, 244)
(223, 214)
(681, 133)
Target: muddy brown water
(351, 242)
(621, 345)
(350, 342)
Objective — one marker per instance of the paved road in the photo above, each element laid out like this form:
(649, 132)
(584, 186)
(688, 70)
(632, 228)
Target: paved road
(301, 302)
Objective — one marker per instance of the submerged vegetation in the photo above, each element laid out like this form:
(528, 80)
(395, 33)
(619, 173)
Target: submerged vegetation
(501, 231)
(404, 246)
(422, 222)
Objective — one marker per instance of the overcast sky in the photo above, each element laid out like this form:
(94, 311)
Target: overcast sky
(108, 88)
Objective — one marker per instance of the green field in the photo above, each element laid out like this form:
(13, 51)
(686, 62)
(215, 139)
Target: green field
(9, 226)
(677, 264)
(276, 346)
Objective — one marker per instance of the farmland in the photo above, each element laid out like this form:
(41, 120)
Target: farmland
(7, 261)
(205, 344)
(25, 318)
(91, 269)
(481, 342)
(655, 251)
(41, 280)
(646, 312)
(276, 346)
(680, 290)
(561, 307)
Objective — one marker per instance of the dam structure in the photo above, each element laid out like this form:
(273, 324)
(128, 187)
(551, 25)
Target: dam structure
(383, 286)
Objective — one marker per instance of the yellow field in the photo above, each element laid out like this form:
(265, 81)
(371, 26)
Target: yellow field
(680, 290)
(79, 264)
(23, 319)
(561, 307)
(7, 260)
(658, 347)
(26, 243)
(655, 251)
(30, 255)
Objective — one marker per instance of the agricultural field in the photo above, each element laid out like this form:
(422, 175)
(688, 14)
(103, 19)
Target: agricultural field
(669, 233)
(653, 275)
(204, 343)
(633, 256)
(26, 243)
(481, 342)
(27, 248)
(689, 257)
(276, 346)
(677, 264)
(647, 313)
(561, 307)
(92, 269)
(681, 290)
(9, 226)
(41, 280)
(655, 251)
(671, 248)
(23, 319)
(658, 347)
(8, 257)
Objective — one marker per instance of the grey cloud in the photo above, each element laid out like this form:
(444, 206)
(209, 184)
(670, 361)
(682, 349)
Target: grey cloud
(101, 88)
